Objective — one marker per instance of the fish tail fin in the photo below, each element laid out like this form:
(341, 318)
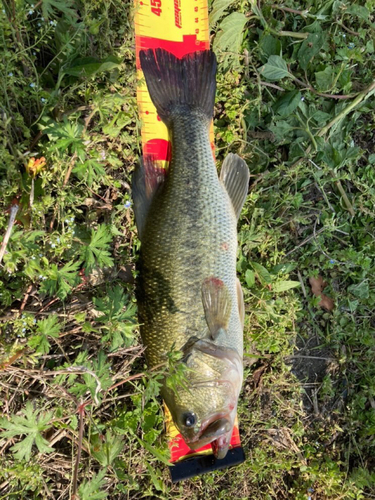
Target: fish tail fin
(180, 85)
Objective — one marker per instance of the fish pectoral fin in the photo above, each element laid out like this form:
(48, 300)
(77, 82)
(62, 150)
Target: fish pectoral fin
(147, 179)
(217, 305)
(219, 352)
(235, 177)
(188, 348)
(241, 303)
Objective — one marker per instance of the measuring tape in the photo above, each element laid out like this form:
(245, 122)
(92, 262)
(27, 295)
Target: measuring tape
(180, 27)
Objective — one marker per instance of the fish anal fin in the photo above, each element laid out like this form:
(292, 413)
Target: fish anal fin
(235, 177)
(154, 175)
(241, 303)
(217, 305)
(148, 177)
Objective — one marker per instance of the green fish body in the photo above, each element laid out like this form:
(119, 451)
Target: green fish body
(189, 297)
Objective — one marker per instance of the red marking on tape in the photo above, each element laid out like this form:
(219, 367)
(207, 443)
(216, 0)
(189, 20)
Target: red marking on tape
(177, 13)
(156, 7)
(159, 149)
(179, 449)
(213, 149)
(179, 49)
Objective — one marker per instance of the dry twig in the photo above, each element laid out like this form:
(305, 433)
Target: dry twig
(12, 218)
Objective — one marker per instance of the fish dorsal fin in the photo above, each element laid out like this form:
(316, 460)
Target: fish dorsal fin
(147, 179)
(241, 304)
(235, 177)
(217, 305)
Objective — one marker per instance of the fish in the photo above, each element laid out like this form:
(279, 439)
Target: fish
(190, 300)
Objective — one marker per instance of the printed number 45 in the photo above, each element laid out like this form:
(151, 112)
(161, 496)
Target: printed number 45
(156, 7)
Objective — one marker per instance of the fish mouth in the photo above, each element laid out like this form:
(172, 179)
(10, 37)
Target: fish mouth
(216, 430)
(219, 433)
(220, 446)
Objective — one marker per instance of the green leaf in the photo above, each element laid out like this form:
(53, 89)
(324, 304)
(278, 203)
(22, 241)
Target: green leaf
(118, 317)
(218, 8)
(31, 236)
(230, 36)
(67, 135)
(250, 278)
(39, 343)
(89, 170)
(88, 66)
(96, 253)
(275, 69)
(283, 286)
(32, 423)
(281, 130)
(22, 449)
(105, 452)
(324, 79)
(158, 454)
(48, 327)
(158, 483)
(262, 273)
(90, 490)
(361, 290)
(60, 281)
(96, 382)
(51, 8)
(332, 156)
(310, 47)
(358, 11)
(287, 103)
(112, 304)
(270, 45)
(114, 127)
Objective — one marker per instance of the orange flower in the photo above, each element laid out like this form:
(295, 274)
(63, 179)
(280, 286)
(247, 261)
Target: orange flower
(35, 166)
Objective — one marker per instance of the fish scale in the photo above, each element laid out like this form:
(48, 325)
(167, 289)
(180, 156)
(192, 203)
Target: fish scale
(182, 244)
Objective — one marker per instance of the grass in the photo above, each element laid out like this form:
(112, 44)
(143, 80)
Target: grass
(81, 415)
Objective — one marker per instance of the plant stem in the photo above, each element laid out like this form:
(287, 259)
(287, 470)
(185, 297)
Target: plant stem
(81, 411)
(355, 33)
(360, 97)
(301, 13)
(349, 206)
(322, 94)
(292, 34)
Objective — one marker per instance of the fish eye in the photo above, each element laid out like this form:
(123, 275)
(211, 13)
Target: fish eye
(190, 419)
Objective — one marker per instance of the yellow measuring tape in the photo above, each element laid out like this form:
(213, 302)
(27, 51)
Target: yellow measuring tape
(180, 27)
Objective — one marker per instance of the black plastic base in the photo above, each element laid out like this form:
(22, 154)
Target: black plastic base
(201, 464)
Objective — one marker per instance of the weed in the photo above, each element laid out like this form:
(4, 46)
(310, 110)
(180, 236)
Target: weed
(80, 413)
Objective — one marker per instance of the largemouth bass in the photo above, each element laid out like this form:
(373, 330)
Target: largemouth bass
(189, 298)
